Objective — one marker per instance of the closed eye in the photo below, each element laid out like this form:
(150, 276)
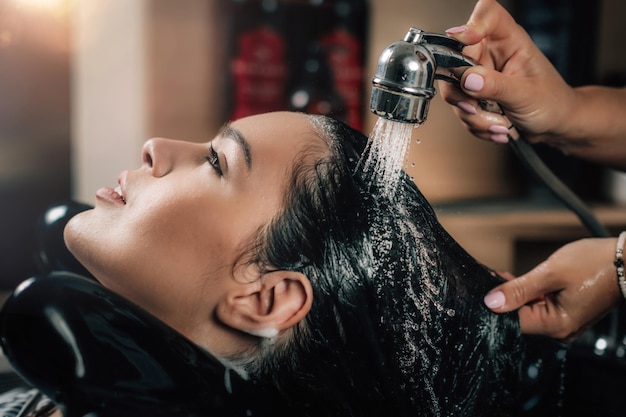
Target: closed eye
(214, 160)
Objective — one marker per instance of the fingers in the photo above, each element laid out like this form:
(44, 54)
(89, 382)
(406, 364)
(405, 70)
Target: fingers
(481, 123)
(482, 83)
(535, 296)
(516, 293)
(488, 20)
(548, 319)
(513, 72)
(538, 311)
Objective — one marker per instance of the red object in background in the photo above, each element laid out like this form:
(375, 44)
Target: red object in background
(259, 72)
(259, 64)
(344, 59)
(298, 55)
(344, 44)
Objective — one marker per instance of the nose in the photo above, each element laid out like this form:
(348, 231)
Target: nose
(157, 156)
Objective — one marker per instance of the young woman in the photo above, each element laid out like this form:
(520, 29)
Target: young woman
(268, 247)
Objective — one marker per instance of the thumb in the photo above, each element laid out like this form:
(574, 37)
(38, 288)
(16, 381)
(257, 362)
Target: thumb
(488, 19)
(520, 291)
(483, 83)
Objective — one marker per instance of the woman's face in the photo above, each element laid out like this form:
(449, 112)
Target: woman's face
(168, 238)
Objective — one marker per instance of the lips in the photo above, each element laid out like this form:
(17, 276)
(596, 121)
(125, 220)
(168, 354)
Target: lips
(115, 195)
(109, 195)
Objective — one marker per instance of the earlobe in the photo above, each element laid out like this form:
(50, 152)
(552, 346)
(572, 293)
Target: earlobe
(277, 301)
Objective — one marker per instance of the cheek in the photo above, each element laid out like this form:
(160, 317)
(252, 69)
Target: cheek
(183, 226)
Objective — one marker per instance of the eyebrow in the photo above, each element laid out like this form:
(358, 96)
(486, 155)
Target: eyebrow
(228, 131)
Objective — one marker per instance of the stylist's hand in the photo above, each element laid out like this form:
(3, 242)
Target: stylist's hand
(514, 73)
(570, 291)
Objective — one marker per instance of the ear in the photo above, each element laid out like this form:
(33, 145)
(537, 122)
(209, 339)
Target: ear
(278, 301)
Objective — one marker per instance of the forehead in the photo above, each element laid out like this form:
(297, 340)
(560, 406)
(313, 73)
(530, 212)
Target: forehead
(275, 126)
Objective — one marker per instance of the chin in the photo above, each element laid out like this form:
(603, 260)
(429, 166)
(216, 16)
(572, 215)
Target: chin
(70, 232)
(83, 241)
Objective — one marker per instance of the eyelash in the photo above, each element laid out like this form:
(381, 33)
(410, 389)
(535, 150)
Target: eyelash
(214, 161)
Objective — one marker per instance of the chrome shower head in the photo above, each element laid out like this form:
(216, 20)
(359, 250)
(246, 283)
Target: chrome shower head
(404, 81)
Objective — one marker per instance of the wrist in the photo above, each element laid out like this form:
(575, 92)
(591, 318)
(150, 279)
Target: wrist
(590, 125)
(570, 126)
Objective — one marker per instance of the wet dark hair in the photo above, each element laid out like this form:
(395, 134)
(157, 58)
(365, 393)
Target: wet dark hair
(397, 325)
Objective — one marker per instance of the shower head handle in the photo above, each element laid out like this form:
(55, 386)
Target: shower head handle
(447, 54)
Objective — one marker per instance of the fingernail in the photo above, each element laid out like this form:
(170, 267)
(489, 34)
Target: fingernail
(456, 29)
(474, 82)
(466, 107)
(495, 299)
(498, 129)
(500, 138)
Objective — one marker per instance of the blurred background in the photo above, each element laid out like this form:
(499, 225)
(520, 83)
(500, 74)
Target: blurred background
(84, 83)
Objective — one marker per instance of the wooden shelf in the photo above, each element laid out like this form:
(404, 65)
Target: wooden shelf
(492, 232)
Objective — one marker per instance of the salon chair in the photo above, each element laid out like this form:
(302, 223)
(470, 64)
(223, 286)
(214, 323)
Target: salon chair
(96, 354)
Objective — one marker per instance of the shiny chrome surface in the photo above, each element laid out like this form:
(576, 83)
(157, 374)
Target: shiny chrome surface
(404, 81)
